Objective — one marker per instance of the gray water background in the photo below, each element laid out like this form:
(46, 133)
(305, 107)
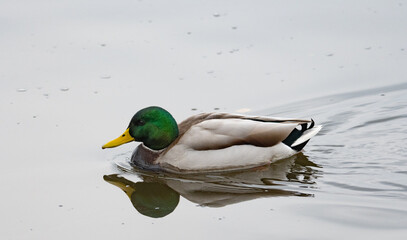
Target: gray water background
(74, 72)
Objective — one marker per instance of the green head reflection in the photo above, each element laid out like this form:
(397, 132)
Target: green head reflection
(152, 199)
(158, 195)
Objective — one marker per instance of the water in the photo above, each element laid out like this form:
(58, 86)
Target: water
(352, 177)
(349, 182)
(74, 73)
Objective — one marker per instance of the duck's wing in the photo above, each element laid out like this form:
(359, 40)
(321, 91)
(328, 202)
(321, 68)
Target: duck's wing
(193, 120)
(213, 131)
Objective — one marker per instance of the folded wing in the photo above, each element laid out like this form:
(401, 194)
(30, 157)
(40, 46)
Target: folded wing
(217, 131)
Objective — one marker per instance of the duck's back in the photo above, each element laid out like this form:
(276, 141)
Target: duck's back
(219, 142)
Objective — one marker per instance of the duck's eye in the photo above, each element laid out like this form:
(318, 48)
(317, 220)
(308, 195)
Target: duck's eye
(140, 122)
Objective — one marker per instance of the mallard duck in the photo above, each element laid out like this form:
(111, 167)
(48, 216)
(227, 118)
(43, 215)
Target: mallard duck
(211, 142)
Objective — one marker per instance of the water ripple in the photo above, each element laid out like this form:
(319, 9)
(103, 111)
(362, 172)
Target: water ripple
(359, 216)
(380, 120)
(354, 188)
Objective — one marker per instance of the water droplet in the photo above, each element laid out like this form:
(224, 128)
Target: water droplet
(21, 90)
(64, 89)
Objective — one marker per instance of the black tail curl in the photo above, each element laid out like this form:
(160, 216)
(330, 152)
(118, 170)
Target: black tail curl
(296, 133)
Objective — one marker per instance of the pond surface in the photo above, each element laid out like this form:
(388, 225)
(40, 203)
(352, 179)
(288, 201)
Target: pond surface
(350, 181)
(74, 73)
(351, 177)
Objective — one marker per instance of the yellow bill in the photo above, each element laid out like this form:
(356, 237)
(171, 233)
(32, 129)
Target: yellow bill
(126, 185)
(124, 138)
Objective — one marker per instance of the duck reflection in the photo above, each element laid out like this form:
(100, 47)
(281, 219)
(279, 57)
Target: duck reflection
(153, 199)
(157, 195)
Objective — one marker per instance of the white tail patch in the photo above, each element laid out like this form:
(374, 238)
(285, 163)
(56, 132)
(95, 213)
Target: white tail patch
(307, 135)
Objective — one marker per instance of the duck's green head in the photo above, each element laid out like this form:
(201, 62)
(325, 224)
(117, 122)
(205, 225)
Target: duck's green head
(153, 126)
